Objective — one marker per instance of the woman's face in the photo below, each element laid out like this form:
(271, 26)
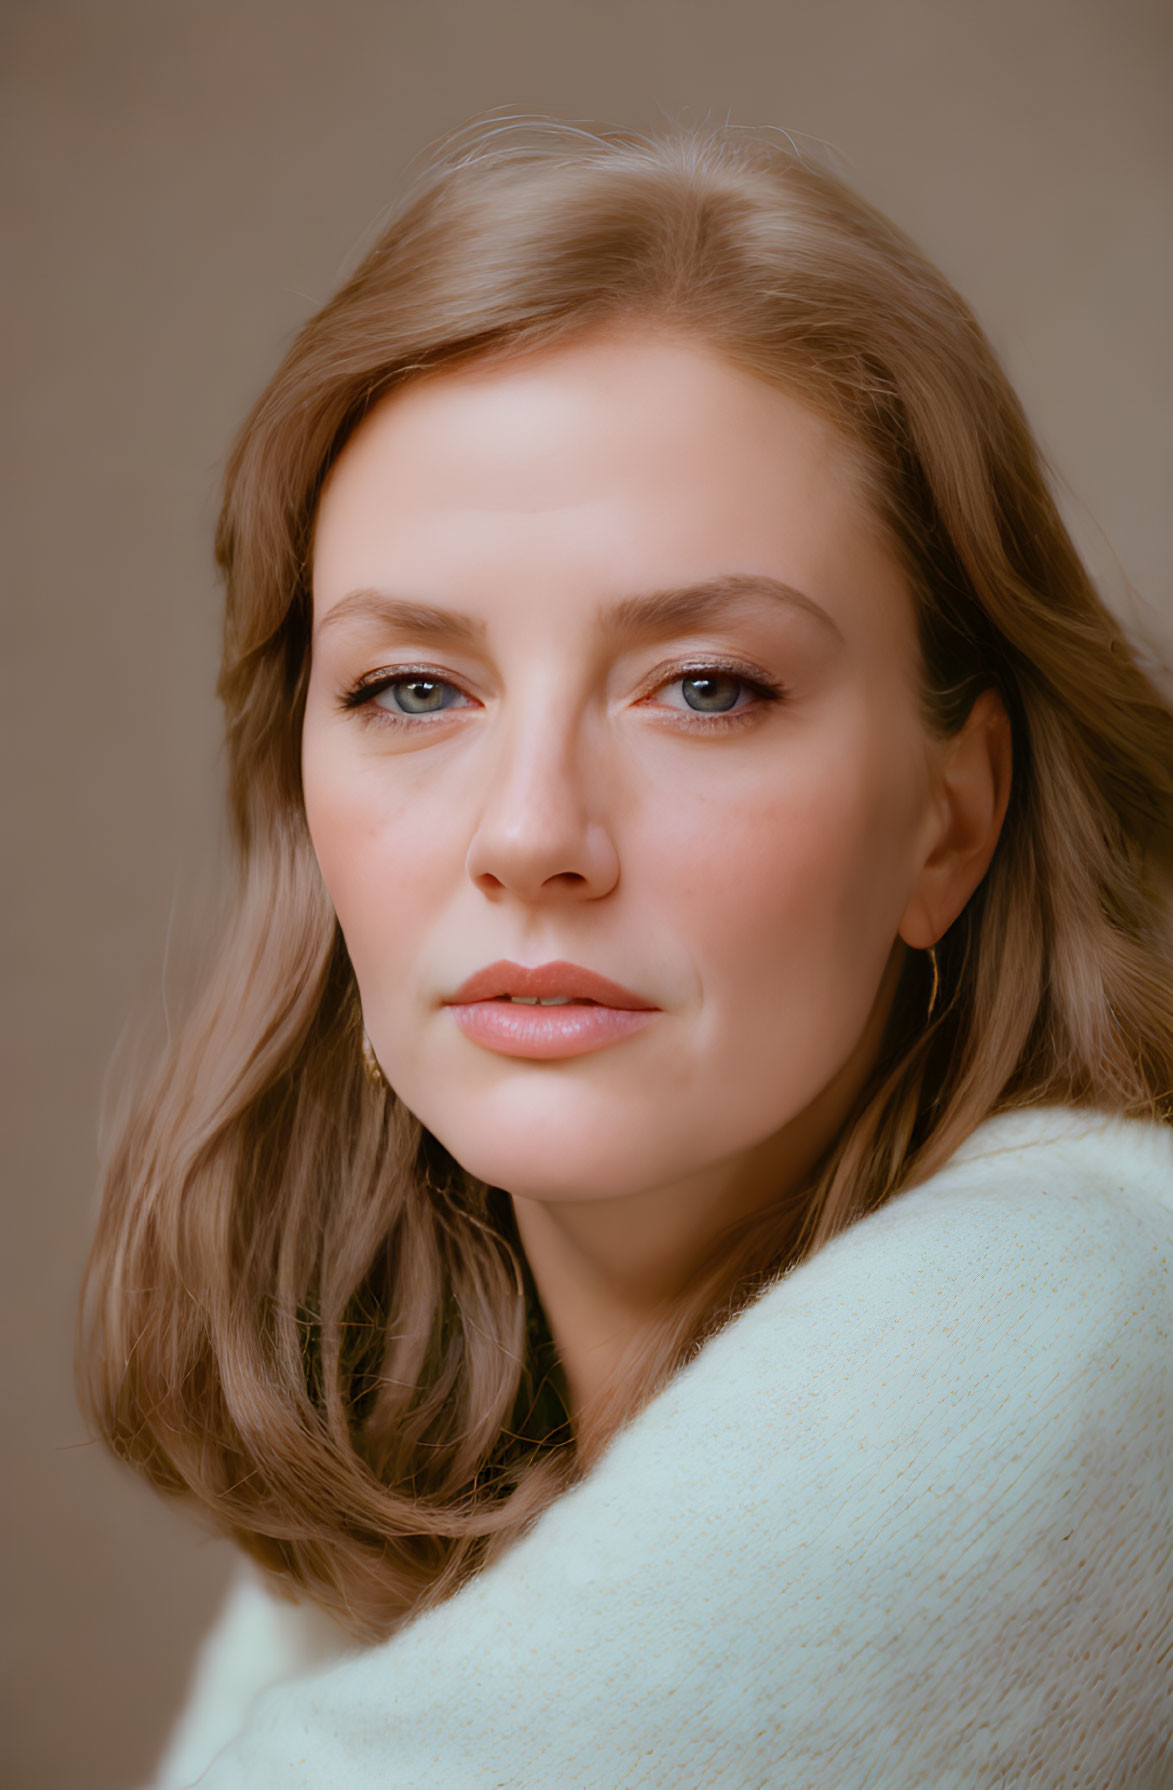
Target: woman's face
(612, 668)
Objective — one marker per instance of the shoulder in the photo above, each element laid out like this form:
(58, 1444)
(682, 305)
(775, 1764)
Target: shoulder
(257, 1640)
(1053, 1166)
(1077, 1150)
(1049, 1205)
(1027, 1277)
(1052, 1214)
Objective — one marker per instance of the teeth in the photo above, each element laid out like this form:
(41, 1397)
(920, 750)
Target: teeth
(532, 1000)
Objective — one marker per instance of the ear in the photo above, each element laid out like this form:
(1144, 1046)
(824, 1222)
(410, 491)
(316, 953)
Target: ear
(971, 790)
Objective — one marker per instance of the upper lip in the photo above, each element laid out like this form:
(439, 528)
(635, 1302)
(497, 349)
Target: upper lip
(547, 979)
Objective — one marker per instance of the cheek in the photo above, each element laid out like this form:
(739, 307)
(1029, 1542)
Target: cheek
(790, 887)
(384, 858)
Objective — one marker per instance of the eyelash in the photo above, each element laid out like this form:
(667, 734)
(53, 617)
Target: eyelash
(358, 697)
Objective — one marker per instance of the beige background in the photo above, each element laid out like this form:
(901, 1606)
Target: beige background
(187, 182)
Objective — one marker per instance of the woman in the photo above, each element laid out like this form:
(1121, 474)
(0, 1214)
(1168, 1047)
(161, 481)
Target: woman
(644, 597)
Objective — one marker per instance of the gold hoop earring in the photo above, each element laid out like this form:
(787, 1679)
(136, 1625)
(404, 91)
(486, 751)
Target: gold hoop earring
(936, 984)
(370, 1063)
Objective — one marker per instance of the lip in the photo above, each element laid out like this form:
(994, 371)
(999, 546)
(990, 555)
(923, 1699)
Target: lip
(547, 980)
(613, 1013)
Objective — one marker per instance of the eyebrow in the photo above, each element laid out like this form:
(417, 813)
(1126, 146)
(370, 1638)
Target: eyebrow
(648, 614)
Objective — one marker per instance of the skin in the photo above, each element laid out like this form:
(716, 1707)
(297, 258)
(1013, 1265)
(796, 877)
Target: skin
(759, 882)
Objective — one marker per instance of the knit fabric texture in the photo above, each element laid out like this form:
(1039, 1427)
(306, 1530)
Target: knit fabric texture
(906, 1523)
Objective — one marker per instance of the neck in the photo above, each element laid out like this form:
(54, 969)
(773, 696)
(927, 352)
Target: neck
(606, 1269)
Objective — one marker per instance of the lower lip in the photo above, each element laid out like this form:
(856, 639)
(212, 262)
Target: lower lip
(516, 1030)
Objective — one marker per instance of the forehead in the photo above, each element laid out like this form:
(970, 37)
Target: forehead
(629, 459)
(563, 420)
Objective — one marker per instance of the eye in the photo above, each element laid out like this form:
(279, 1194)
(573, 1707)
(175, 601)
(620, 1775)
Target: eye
(711, 692)
(404, 695)
(416, 695)
(714, 694)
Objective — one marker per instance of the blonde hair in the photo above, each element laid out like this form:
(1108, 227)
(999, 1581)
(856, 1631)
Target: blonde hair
(300, 1313)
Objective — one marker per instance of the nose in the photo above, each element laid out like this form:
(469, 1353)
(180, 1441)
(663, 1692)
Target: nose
(541, 832)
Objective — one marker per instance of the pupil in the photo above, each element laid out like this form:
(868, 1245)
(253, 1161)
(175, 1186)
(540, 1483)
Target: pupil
(711, 691)
(421, 693)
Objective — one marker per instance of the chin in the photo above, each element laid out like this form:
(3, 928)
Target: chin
(551, 1160)
(561, 1173)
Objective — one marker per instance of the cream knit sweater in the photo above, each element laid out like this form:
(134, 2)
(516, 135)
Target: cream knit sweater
(905, 1524)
